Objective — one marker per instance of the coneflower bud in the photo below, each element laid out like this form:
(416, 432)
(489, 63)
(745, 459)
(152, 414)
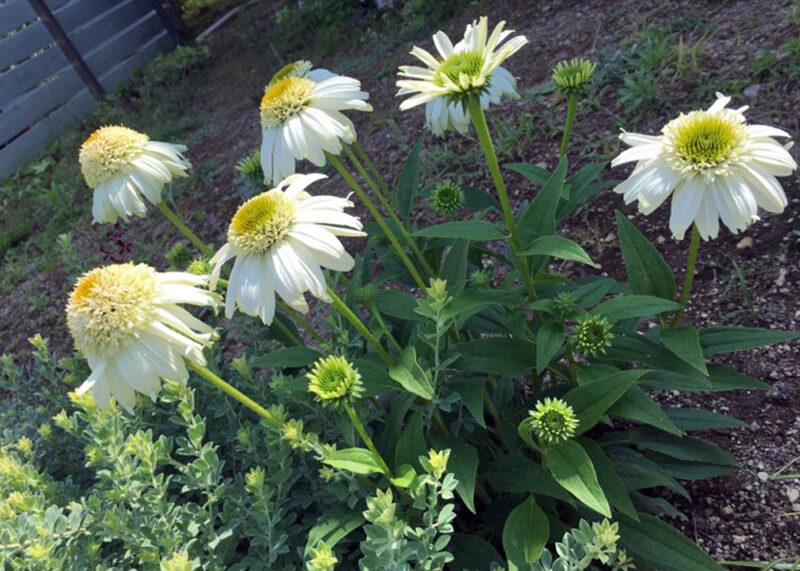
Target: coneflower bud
(593, 335)
(553, 420)
(447, 199)
(573, 76)
(334, 381)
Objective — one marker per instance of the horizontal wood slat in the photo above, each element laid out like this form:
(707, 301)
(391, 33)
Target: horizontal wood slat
(123, 45)
(30, 73)
(110, 24)
(23, 44)
(122, 71)
(14, 14)
(78, 13)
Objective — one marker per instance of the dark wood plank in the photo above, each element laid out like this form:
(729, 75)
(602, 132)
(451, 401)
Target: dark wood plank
(21, 45)
(38, 102)
(44, 132)
(14, 14)
(57, 4)
(29, 74)
(122, 71)
(77, 13)
(124, 44)
(109, 24)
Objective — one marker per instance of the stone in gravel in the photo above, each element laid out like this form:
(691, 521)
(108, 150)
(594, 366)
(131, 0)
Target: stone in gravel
(739, 539)
(780, 393)
(746, 242)
(727, 510)
(792, 494)
(763, 476)
(751, 91)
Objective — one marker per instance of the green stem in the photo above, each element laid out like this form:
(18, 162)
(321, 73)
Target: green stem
(388, 207)
(485, 138)
(288, 332)
(373, 210)
(297, 318)
(359, 325)
(572, 108)
(235, 393)
(367, 440)
(688, 279)
(375, 172)
(203, 247)
(377, 315)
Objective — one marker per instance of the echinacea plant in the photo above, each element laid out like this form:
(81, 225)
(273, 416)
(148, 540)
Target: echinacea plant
(444, 399)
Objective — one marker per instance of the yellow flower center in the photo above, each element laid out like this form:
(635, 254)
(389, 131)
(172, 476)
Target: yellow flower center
(461, 68)
(107, 151)
(283, 99)
(705, 140)
(261, 222)
(109, 306)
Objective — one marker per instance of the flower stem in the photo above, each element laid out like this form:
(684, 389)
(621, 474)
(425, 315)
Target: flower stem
(373, 210)
(202, 246)
(688, 279)
(288, 332)
(572, 108)
(390, 210)
(376, 173)
(485, 138)
(377, 315)
(367, 440)
(359, 325)
(235, 393)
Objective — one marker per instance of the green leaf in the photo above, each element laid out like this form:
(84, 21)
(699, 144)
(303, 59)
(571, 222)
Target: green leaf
(682, 448)
(472, 553)
(470, 389)
(336, 525)
(408, 181)
(592, 400)
(517, 474)
(454, 268)
(411, 444)
(627, 306)
(291, 357)
(685, 343)
(356, 460)
(478, 230)
(410, 375)
(633, 347)
(558, 247)
(470, 301)
(639, 472)
(539, 219)
(404, 476)
(525, 534)
(397, 304)
(590, 293)
(463, 464)
(387, 441)
(613, 486)
(549, 340)
(478, 199)
(374, 377)
(497, 356)
(661, 546)
(725, 379)
(572, 468)
(698, 419)
(716, 340)
(636, 405)
(671, 381)
(533, 173)
(647, 271)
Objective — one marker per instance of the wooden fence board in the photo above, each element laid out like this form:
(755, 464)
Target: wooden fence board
(55, 5)
(23, 44)
(31, 143)
(14, 14)
(124, 44)
(37, 103)
(93, 33)
(122, 71)
(30, 73)
(77, 13)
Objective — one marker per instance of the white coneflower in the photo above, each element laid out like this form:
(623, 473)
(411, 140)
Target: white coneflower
(126, 321)
(122, 165)
(714, 164)
(471, 67)
(281, 240)
(301, 117)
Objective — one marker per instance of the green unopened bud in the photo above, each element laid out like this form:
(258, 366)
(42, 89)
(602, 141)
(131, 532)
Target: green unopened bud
(254, 480)
(481, 278)
(46, 430)
(564, 305)
(437, 290)
(367, 294)
(177, 562)
(606, 534)
(179, 255)
(321, 558)
(553, 420)
(623, 561)
(299, 68)
(573, 76)
(25, 445)
(447, 199)
(250, 166)
(334, 381)
(199, 267)
(436, 462)
(593, 335)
